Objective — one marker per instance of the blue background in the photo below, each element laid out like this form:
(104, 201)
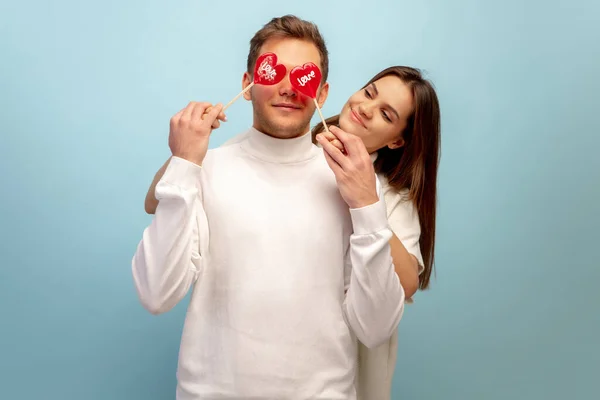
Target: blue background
(86, 93)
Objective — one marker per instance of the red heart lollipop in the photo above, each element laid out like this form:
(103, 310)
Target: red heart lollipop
(306, 79)
(267, 71)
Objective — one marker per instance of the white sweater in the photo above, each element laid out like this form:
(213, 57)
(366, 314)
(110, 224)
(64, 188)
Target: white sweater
(284, 277)
(376, 365)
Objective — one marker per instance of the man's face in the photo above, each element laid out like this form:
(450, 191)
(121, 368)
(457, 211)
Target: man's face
(279, 110)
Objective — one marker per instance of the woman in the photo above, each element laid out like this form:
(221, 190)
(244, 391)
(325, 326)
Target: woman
(397, 116)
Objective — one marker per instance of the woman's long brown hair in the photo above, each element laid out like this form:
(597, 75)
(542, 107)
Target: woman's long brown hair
(413, 166)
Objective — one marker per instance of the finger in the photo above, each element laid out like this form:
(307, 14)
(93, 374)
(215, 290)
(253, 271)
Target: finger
(216, 124)
(175, 118)
(212, 115)
(334, 141)
(351, 143)
(329, 136)
(338, 144)
(340, 135)
(198, 110)
(332, 151)
(335, 167)
(221, 116)
(187, 111)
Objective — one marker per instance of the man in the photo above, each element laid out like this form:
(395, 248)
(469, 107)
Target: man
(289, 263)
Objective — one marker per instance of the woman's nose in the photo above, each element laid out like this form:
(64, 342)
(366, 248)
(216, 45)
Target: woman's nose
(366, 109)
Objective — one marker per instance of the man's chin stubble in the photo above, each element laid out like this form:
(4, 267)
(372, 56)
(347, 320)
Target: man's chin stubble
(286, 130)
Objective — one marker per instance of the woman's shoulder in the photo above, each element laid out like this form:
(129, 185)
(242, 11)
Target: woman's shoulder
(400, 207)
(403, 218)
(391, 194)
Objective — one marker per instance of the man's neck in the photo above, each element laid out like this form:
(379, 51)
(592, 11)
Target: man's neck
(279, 150)
(277, 135)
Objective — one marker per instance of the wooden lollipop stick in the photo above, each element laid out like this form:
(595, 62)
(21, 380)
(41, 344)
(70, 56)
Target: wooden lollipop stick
(321, 115)
(339, 144)
(232, 100)
(266, 72)
(238, 96)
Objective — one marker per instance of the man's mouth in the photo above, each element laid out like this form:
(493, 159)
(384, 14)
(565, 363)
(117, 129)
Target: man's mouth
(287, 106)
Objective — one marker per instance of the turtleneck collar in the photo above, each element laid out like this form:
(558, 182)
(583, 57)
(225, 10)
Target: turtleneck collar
(280, 151)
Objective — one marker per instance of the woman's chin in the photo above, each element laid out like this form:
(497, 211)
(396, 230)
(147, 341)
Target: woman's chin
(347, 126)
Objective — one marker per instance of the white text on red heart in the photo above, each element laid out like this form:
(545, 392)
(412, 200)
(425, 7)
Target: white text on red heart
(266, 70)
(303, 80)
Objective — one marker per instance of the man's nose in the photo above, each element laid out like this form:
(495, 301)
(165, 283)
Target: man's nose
(286, 89)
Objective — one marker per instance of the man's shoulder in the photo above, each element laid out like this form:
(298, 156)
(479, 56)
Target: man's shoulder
(322, 169)
(320, 158)
(229, 146)
(240, 137)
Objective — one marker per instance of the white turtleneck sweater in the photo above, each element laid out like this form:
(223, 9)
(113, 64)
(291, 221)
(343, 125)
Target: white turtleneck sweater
(284, 277)
(376, 365)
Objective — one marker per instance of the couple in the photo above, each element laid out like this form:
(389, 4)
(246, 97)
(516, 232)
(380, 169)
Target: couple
(299, 256)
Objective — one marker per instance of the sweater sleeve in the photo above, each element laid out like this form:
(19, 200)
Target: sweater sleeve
(168, 259)
(404, 222)
(374, 301)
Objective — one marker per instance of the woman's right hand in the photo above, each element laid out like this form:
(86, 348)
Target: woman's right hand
(353, 169)
(334, 140)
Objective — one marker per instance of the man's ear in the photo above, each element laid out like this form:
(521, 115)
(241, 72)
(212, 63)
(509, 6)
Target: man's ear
(322, 95)
(246, 81)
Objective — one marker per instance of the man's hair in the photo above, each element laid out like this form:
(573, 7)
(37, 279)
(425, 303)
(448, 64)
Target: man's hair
(289, 26)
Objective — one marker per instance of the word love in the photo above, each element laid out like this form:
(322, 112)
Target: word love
(306, 79)
(303, 79)
(267, 71)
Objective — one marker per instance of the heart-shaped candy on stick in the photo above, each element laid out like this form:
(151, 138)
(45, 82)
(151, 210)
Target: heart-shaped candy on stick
(306, 79)
(266, 72)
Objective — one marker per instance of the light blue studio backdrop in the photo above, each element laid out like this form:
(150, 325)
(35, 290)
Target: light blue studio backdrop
(86, 93)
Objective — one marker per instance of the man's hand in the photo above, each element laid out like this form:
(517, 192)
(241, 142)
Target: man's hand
(221, 117)
(353, 171)
(190, 130)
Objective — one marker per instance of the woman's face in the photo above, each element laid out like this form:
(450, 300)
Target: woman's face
(378, 113)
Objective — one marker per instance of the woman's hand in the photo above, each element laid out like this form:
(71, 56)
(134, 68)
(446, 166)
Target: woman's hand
(353, 169)
(333, 140)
